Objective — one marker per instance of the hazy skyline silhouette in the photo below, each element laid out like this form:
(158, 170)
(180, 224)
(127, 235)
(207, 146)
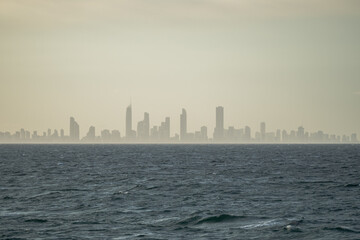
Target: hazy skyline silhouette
(288, 63)
(162, 133)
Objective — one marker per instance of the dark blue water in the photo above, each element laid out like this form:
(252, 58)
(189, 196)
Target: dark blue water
(179, 192)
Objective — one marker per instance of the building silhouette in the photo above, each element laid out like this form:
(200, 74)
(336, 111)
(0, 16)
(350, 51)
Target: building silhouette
(262, 132)
(162, 134)
(204, 135)
(183, 125)
(219, 129)
(90, 136)
(130, 134)
(74, 130)
(143, 128)
(128, 123)
(164, 130)
(247, 134)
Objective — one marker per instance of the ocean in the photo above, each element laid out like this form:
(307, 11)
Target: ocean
(179, 191)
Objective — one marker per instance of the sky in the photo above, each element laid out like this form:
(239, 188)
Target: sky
(288, 63)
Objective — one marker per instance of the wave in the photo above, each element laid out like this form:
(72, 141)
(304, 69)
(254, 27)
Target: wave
(190, 220)
(87, 222)
(341, 229)
(36, 220)
(211, 219)
(44, 194)
(352, 185)
(220, 218)
(7, 198)
(267, 223)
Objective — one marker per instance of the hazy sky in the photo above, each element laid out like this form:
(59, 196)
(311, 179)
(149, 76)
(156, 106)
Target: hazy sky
(285, 62)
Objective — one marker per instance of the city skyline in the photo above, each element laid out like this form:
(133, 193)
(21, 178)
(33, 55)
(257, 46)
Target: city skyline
(144, 133)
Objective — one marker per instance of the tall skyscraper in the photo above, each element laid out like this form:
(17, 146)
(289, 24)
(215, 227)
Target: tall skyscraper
(183, 125)
(167, 127)
(219, 129)
(146, 125)
(262, 131)
(128, 132)
(74, 130)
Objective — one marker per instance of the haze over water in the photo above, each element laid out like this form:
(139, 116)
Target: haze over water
(287, 63)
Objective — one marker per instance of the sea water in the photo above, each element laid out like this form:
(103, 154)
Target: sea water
(179, 191)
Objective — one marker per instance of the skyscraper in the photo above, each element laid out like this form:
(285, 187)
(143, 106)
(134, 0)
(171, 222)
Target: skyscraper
(164, 129)
(262, 131)
(74, 130)
(167, 127)
(146, 126)
(183, 125)
(22, 134)
(219, 129)
(203, 132)
(143, 127)
(91, 134)
(300, 134)
(128, 132)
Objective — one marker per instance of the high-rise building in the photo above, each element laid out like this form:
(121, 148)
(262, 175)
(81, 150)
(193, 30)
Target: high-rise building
(143, 128)
(262, 131)
(27, 135)
(106, 135)
(115, 135)
(278, 135)
(139, 130)
(247, 133)
(62, 133)
(55, 135)
(183, 125)
(74, 130)
(167, 127)
(128, 132)
(34, 135)
(154, 133)
(301, 134)
(219, 129)
(353, 138)
(284, 136)
(146, 126)
(90, 136)
(164, 129)
(22, 134)
(203, 132)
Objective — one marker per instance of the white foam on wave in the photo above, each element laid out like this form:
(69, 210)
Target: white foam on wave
(266, 223)
(14, 213)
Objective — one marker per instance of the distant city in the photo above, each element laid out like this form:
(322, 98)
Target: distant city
(161, 134)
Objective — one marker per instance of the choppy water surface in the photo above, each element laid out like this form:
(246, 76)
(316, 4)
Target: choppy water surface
(180, 191)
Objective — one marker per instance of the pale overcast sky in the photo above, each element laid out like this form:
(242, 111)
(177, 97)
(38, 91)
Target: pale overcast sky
(285, 62)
